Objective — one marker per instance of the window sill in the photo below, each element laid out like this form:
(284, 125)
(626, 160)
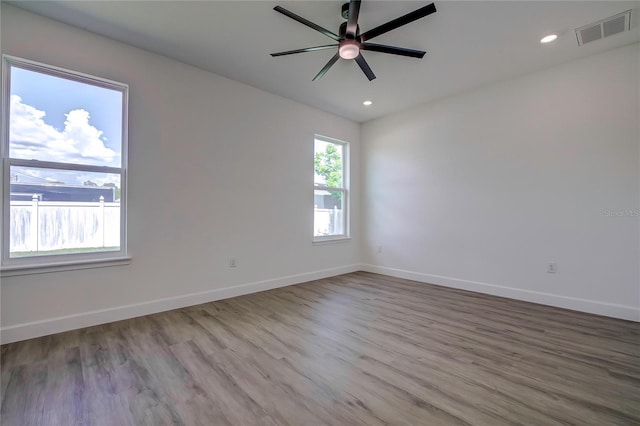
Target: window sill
(15, 270)
(331, 241)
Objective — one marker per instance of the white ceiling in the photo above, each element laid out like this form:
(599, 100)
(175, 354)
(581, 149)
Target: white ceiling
(468, 44)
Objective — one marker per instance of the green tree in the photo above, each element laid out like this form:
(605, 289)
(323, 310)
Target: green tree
(328, 164)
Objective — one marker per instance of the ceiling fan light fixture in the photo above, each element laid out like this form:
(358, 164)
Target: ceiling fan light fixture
(349, 49)
(350, 41)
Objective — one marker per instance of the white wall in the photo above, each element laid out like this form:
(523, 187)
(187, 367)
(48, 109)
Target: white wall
(477, 191)
(481, 190)
(241, 159)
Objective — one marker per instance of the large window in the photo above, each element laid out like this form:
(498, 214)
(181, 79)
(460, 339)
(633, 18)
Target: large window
(64, 162)
(330, 192)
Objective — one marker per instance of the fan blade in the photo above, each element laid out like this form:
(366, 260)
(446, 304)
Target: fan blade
(398, 22)
(392, 50)
(352, 23)
(306, 49)
(307, 22)
(324, 70)
(364, 66)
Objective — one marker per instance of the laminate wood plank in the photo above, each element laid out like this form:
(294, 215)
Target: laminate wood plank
(64, 400)
(358, 349)
(147, 402)
(4, 383)
(28, 352)
(25, 394)
(239, 407)
(101, 378)
(436, 394)
(291, 398)
(225, 336)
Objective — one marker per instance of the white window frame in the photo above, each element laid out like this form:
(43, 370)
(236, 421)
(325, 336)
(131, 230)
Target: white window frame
(345, 192)
(51, 263)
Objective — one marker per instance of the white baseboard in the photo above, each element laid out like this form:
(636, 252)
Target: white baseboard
(33, 329)
(630, 313)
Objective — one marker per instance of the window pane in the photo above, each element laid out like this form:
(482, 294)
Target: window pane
(328, 164)
(328, 215)
(57, 119)
(62, 211)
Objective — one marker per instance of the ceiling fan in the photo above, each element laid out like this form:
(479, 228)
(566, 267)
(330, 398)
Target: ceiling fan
(351, 42)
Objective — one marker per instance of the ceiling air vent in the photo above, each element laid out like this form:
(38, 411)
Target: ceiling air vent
(601, 29)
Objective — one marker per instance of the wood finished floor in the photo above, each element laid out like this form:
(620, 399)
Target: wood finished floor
(359, 349)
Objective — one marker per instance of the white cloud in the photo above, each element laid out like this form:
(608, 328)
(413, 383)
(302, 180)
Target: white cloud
(79, 142)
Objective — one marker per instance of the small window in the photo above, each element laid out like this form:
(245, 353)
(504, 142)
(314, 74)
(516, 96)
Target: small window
(64, 161)
(330, 192)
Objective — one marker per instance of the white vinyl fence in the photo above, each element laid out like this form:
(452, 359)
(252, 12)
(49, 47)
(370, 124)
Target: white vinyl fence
(328, 221)
(55, 225)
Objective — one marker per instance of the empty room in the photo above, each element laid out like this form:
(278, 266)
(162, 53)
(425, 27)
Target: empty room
(320, 213)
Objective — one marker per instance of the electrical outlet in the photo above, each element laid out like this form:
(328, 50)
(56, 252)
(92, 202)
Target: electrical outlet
(379, 248)
(232, 262)
(552, 267)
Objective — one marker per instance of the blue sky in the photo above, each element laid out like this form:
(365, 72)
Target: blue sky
(65, 121)
(57, 96)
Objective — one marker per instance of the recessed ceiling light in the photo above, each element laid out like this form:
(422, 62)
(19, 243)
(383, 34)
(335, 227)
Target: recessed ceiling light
(367, 103)
(549, 38)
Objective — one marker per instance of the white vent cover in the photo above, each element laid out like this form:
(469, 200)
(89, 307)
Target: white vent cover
(601, 29)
